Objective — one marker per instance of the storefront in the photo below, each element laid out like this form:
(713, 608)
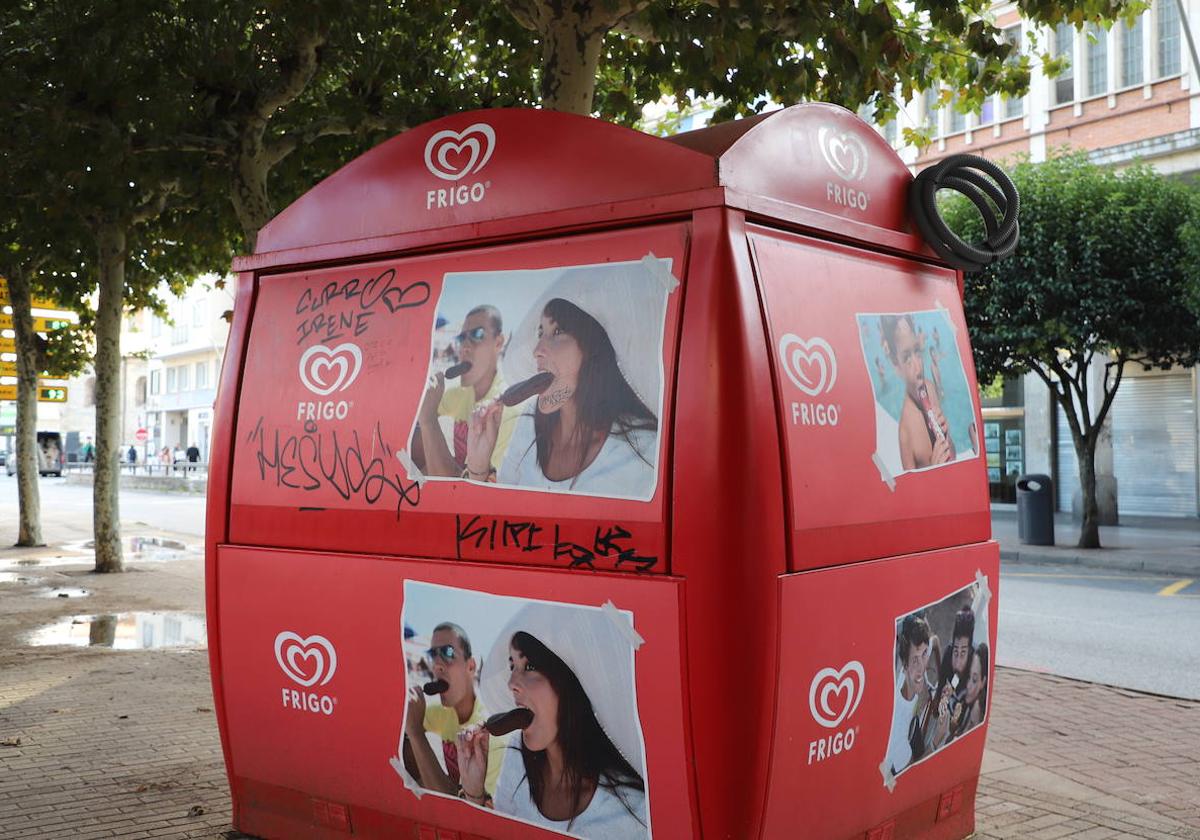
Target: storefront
(1004, 439)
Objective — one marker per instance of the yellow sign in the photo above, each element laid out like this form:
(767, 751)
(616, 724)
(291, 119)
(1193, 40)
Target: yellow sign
(45, 394)
(10, 369)
(39, 324)
(7, 345)
(38, 303)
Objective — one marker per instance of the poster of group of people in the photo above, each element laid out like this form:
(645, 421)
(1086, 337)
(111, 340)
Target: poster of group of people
(548, 379)
(924, 413)
(524, 707)
(942, 662)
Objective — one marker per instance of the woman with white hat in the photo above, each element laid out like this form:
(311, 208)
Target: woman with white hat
(598, 331)
(578, 767)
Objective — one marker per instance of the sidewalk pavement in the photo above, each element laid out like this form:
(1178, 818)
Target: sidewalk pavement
(1159, 545)
(99, 743)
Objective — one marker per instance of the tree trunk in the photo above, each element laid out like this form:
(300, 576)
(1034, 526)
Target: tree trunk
(106, 513)
(1089, 532)
(20, 297)
(570, 57)
(248, 188)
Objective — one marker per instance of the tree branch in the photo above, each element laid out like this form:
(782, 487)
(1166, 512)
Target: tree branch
(296, 73)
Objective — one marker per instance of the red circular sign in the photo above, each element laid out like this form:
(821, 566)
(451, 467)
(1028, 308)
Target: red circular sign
(141, 435)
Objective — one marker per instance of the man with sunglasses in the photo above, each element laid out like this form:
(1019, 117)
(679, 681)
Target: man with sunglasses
(450, 659)
(480, 343)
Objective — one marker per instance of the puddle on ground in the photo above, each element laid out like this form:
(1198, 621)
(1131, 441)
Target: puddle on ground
(141, 548)
(125, 631)
(16, 577)
(64, 592)
(32, 563)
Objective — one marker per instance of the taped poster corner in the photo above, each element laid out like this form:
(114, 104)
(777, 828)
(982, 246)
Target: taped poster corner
(889, 778)
(622, 622)
(413, 471)
(409, 781)
(658, 269)
(985, 591)
(883, 472)
(937, 302)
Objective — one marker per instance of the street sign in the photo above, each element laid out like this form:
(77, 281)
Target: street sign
(141, 436)
(46, 393)
(40, 324)
(10, 369)
(7, 345)
(38, 303)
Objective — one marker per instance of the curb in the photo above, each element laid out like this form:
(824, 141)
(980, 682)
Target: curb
(1113, 559)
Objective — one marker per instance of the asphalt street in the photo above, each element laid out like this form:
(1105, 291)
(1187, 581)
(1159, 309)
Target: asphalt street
(1127, 629)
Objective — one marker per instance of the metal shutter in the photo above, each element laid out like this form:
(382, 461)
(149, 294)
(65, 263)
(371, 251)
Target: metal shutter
(1067, 480)
(1154, 445)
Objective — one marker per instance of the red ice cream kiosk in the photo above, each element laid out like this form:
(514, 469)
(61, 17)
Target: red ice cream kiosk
(673, 443)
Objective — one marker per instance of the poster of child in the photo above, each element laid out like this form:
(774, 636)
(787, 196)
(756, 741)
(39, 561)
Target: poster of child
(924, 410)
(525, 708)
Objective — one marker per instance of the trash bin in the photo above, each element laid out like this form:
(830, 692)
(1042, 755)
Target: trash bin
(714, 470)
(1035, 509)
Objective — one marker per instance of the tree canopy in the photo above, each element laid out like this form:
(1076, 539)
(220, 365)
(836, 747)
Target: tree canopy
(1107, 273)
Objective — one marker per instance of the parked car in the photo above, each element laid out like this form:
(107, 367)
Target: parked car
(49, 454)
(3, 456)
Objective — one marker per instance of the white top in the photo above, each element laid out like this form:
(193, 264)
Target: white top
(617, 471)
(899, 753)
(605, 818)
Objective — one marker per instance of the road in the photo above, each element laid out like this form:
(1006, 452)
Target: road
(1126, 629)
(69, 507)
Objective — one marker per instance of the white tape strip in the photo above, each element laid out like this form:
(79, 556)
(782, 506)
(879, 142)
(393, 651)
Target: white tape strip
(985, 591)
(622, 622)
(889, 779)
(883, 472)
(953, 327)
(658, 268)
(409, 781)
(410, 467)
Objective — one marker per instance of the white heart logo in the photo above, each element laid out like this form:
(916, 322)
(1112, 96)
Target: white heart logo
(811, 365)
(324, 370)
(827, 690)
(845, 153)
(294, 655)
(470, 149)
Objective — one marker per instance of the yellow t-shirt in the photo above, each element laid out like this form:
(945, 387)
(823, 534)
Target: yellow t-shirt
(443, 721)
(458, 403)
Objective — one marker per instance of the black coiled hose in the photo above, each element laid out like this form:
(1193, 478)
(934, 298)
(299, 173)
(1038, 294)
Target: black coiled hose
(969, 174)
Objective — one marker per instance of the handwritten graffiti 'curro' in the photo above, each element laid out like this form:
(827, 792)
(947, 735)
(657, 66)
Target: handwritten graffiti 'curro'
(316, 460)
(345, 307)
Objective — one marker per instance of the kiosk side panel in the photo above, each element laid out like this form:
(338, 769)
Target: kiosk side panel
(876, 387)
(355, 422)
(867, 645)
(324, 652)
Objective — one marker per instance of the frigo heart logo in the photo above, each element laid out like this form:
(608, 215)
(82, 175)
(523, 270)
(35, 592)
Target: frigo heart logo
(310, 661)
(810, 365)
(452, 155)
(324, 370)
(835, 694)
(845, 153)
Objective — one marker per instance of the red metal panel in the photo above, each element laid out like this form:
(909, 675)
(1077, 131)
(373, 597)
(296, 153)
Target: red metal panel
(340, 751)
(728, 534)
(336, 483)
(849, 497)
(485, 165)
(839, 627)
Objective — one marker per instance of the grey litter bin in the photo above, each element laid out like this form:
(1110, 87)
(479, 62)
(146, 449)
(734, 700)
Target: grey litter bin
(1035, 510)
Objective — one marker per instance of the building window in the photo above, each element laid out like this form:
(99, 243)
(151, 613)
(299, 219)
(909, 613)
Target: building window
(1014, 106)
(1064, 47)
(156, 382)
(1097, 60)
(179, 332)
(155, 326)
(1166, 13)
(183, 378)
(1131, 53)
(889, 132)
(139, 393)
(958, 120)
(171, 380)
(198, 314)
(930, 109)
(201, 374)
(987, 113)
